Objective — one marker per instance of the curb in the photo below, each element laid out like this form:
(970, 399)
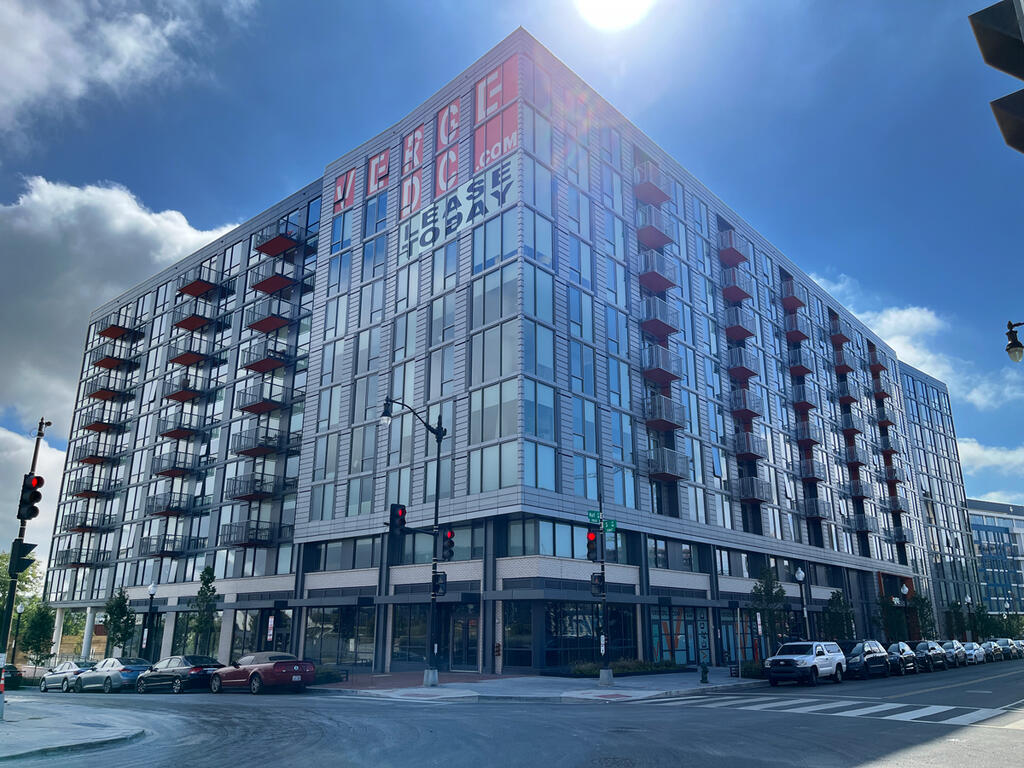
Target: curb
(80, 747)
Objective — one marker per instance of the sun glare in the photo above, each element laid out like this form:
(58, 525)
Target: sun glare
(613, 15)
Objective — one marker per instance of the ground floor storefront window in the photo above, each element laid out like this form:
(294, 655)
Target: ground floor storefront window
(189, 639)
(676, 636)
(409, 634)
(572, 633)
(517, 617)
(261, 629)
(340, 636)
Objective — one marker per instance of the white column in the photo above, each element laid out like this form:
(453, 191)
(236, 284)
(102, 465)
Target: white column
(167, 640)
(227, 626)
(58, 631)
(90, 619)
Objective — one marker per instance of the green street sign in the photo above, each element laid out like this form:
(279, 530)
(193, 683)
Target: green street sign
(593, 516)
(609, 526)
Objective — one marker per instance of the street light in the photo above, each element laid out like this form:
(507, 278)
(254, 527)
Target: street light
(803, 601)
(968, 600)
(438, 431)
(905, 590)
(150, 624)
(1013, 346)
(17, 627)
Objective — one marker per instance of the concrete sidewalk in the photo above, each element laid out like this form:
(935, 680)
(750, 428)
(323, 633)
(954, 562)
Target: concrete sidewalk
(29, 728)
(551, 689)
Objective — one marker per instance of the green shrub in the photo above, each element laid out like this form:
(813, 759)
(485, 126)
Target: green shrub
(753, 669)
(626, 667)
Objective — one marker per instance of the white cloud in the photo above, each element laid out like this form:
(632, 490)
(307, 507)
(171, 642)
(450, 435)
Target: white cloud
(976, 457)
(1002, 497)
(68, 250)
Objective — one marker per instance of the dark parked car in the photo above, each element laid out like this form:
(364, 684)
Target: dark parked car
(259, 671)
(112, 675)
(63, 675)
(956, 656)
(178, 674)
(992, 651)
(902, 659)
(1010, 650)
(12, 677)
(865, 658)
(931, 656)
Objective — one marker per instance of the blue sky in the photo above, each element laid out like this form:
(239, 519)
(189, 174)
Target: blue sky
(856, 136)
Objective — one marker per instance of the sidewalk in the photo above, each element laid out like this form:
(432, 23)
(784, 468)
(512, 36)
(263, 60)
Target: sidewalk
(29, 728)
(456, 687)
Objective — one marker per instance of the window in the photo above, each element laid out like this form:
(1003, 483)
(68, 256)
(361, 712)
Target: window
(442, 319)
(400, 439)
(538, 238)
(539, 350)
(615, 285)
(494, 353)
(539, 465)
(321, 502)
(581, 263)
(537, 135)
(329, 411)
(622, 437)
(611, 189)
(330, 366)
(624, 484)
(442, 374)
(494, 295)
(446, 267)
(616, 331)
(581, 314)
(618, 383)
(538, 293)
(403, 380)
(364, 441)
(376, 214)
(360, 496)
(577, 164)
(371, 303)
(493, 467)
(367, 350)
(539, 190)
(611, 147)
(364, 399)
(539, 410)
(341, 231)
(585, 476)
(581, 368)
(407, 289)
(405, 336)
(375, 258)
(536, 85)
(584, 424)
(336, 317)
(325, 459)
(493, 412)
(579, 213)
(495, 240)
(339, 273)
(613, 237)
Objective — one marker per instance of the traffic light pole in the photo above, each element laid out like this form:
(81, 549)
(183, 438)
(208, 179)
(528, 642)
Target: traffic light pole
(430, 674)
(606, 667)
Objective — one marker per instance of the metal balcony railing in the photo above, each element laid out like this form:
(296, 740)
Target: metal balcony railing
(902, 535)
(745, 403)
(87, 521)
(272, 314)
(106, 387)
(203, 281)
(650, 185)
(93, 487)
(801, 361)
(260, 441)
(806, 395)
(666, 464)
(658, 272)
(753, 489)
(182, 426)
(733, 248)
(113, 355)
(652, 228)
(266, 356)
(841, 331)
(119, 324)
(863, 523)
(895, 504)
(742, 364)
(660, 364)
(194, 350)
(749, 446)
(167, 545)
(177, 464)
(664, 414)
(859, 490)
(737, 285)
(94, 452)
(812, 470)
(247, 533)
(807, 433)
(852, 423)
(794, 295)
(278, 238)
(257, 486)
(816, 509)
(892, 444)
(102, 418)
(79, 557)
(262, 398)
(739, 323)
(172, 505)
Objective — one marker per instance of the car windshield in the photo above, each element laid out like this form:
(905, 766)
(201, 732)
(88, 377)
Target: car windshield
(133, 662)
(281, 657)
(895, 648)
(795, 649)
(200, 661)
(948, 646)
(969, 646)
(851, 648)
(922, 646)
(86, 664)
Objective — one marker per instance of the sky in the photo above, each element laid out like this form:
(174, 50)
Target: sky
(857, 137)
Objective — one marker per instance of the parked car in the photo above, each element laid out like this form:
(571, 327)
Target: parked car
(806, 663)
(112, 675)
(956, 656)
(1010, 650)
(975, 653)
(12, 677)
(63, 675)
(865, 658)
(992, 651)
(902, 659)
(931, 656)
(259, 671)
(178, 674)
(1020, 647)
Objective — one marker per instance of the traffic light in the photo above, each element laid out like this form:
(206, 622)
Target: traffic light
(20, 560)
(397, 519)
(597, 584)
(593, 542)
(440, 584)
(30, 496)
(447, 544)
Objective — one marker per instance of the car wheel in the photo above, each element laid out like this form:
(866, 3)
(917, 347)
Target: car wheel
(886, 671)
(255, 685)
(79, 686)
(837, 676)
(141, 686)
(42, 686)
(215, 684)
(177, 687)
(772, 682)
(813, 679)
(64, 687)
(108, 686)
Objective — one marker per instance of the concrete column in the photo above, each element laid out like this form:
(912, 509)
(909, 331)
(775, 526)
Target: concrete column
(58, 631)
(227, 626)
(167, 640)
(90, 620)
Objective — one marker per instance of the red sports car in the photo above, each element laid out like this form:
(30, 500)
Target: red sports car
(259, 671)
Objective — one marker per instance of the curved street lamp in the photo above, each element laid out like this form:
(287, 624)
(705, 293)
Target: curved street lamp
(800, 575)
(1013, 346)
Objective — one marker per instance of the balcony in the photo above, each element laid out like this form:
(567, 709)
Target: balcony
(172, 505)
(841, 331)
(193, 316)
(816, 509)
(859, 490)
(749, 447)
(798, 328)
(801, 362)
(847, 392)
(733, 248)
(668, 465)
(194, 351)
(270, 315)
(92, 487)
(182, 426)
(106, 387)
(739, 323)
(745, 404)
(851, 424)
(203, 282)
(736, 285)
(113, 355)
(101, 419)
(658, 318)
(266, 356)
(896, 505)
(275, 275)
(280, 237)
(857, 454)
(753, 489)
(650, 185)
(892, 444)
(742, 364)
(794, 295)
(876, 362)
(886, 416)
(805, 396)
(185, 389)
(882, 387)
(664, 414)
(261, 441)
(652, 228)
(901, 535)
(165, 545)
(94, 452)
(257, 486)
(177, 464)
(812, 470)
(78, 557)
(807, 434)
(247, 533)
(263, 398)
(658, 272)
(894, 475)
(660, 365)
(846, 361)
(863, 524)
(87, 522)
(118, 325)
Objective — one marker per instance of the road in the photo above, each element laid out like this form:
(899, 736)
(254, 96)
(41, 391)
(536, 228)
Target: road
(892, 722)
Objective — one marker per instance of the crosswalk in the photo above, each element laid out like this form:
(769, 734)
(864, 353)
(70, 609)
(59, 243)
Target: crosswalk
(850, 707)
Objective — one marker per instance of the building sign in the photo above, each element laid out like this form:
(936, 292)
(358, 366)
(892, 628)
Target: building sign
(471, 203)
(377, 173)
(345, 190)
(412, 193)
(497, 123)
(497, 89)
(412, 150)
(270, 628)
(447, 126)
(496, 138)
(446, 165)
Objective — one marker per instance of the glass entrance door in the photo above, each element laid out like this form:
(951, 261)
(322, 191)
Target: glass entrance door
(464, 631)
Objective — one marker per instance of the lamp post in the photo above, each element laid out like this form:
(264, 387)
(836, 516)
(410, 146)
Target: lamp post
(1013, 346)
(17, 628)
(905, 590)
(968, 601)
(800, 575)
(150, 624)
(438, 431)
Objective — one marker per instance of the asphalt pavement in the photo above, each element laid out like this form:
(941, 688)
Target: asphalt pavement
(969, 716)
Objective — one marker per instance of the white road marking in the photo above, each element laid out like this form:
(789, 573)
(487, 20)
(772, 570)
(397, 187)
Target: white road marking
(867, 710)
(776, 703)
(973, 717)
(735, 701)
(977, 691)
(914, 714)
(826, 705)
(697, 701)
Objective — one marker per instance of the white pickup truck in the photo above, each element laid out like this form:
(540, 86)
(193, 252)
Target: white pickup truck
(806, 662)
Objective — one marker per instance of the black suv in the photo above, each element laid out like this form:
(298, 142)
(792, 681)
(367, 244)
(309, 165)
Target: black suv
(902, 659)
(931, 656)
(865, 658)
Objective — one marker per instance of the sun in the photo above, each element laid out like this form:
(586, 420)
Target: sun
(613, 15)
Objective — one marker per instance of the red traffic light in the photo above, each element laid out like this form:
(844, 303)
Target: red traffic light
(35, 482)
(591, 536)
(449, 534)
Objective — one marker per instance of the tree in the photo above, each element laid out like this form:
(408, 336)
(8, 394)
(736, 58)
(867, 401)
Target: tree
(925, 614)
(120, 619)
(955, 620)
(837, 617)
(980, 622)
(769, 598)
(205, 605)
(36, 635)
(891, 618)
(30, 582)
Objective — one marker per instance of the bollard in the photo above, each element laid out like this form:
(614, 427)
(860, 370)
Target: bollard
(703, 672)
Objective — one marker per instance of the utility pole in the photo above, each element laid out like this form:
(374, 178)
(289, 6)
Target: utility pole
(606, 667)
